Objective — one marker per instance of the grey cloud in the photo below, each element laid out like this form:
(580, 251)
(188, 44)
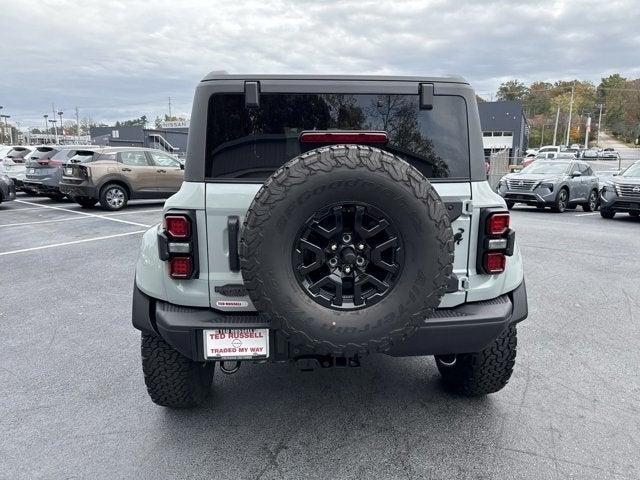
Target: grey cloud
(120, 59)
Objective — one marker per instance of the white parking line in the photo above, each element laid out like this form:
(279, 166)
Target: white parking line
(585, 214)
(64, 219)
(87, 214)
(85, 240)
(132, 212)
(21, 209)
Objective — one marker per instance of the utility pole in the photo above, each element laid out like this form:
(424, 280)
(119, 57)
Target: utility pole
(46, 127)
(77, 125)
(61, 125)
(599, 123)
(1, 128)
(542, 136)
(169, 108)
(555, 130)
(570, 112)
(587, 130)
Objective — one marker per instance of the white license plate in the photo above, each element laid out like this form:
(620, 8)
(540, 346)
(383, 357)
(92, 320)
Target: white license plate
(68, 171)
(32, 170)
(236, 343)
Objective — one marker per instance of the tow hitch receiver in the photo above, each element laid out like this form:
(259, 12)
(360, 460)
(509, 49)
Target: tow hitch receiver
(308, 363)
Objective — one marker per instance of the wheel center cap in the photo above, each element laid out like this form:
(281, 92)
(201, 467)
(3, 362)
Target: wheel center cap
(348, 255)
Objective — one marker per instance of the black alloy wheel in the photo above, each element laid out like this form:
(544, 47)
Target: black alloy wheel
(348, 256)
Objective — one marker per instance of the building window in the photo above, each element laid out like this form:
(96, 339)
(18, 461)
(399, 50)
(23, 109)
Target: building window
(115, 133)
(507, 134)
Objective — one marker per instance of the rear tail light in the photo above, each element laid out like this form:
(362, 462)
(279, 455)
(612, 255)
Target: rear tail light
(498, 223)
(495, 262)
(180, 267)
(178, 226)
(344, 137)
(178, 246)
(496, 242)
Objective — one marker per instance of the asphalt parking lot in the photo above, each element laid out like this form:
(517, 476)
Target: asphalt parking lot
(73, 401)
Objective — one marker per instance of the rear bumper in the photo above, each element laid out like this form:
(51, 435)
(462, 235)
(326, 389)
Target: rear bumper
(43, 185)
(79, 190)
(466, 328)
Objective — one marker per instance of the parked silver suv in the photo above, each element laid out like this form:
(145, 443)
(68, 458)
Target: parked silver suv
(552, 183)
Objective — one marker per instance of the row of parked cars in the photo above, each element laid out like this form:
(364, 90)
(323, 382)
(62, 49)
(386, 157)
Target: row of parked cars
(560, 151)
(90, 174)
(562, 184)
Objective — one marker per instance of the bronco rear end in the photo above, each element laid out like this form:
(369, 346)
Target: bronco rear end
(323, 219)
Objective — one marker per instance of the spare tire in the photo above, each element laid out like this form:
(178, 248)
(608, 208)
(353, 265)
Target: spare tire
(347, 248)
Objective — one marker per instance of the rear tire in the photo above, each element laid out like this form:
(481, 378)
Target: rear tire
(609, 214)
(173, 380)
(85, 202)
(475, 374)
(592, 202)
(113, 197)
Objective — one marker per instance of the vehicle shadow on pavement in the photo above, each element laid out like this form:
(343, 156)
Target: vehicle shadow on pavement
(275, 417)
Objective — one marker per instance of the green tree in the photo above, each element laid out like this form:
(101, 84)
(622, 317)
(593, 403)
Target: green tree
(512, 90)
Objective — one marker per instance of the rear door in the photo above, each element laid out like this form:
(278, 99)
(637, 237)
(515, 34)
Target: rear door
(137, 169)
(245, 146)
(169, 172)
(577, 184)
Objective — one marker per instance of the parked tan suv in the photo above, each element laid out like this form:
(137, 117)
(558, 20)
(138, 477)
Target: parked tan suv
(114, 175)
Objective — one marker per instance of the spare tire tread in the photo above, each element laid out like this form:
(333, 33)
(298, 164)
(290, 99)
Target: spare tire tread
(322, 161)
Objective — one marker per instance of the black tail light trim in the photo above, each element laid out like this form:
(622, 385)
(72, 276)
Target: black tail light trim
(164, 239)
(483, 238)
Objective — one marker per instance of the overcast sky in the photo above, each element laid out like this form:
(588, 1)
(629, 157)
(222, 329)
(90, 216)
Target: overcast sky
(121, 59)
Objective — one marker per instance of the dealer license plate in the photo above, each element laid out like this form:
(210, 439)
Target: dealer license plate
(236, 343)
(32, 170)
(68, 171)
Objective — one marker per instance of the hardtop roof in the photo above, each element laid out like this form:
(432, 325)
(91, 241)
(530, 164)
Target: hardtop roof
(216, 75)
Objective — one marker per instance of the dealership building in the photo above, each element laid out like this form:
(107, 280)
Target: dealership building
(504, 126)
(170, 137)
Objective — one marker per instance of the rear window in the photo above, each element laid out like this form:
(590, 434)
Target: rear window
(17, 153)
(42, 152)
(83, 156)
(251, 143)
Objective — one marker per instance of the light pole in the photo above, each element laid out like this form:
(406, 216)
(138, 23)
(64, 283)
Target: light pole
(570, 112)
(587, 130)
(46, 127)
(55, 129)
(555, 129)
(599, 122)
(61, 126)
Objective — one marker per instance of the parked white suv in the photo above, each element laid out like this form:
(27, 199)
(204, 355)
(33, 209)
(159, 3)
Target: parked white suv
(325, 218)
